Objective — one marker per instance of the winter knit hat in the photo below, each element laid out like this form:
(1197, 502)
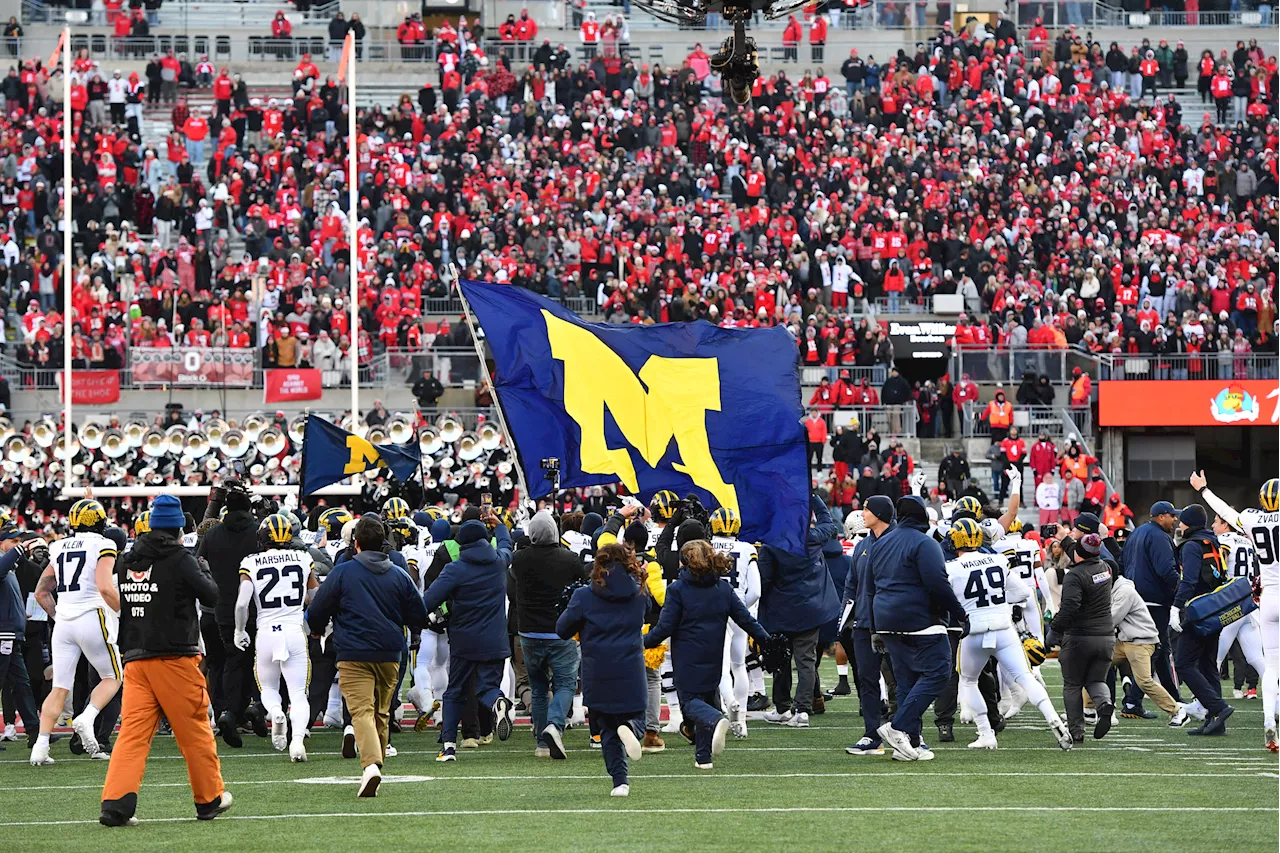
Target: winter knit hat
(166, 513)
(881, 507)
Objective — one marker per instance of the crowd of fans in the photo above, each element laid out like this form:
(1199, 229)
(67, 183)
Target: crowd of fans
(1064, 210)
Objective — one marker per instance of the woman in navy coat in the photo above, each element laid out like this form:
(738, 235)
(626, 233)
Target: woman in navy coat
(694, 616)
(607, 615)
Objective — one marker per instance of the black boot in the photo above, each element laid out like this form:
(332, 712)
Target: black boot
(945, 734)
(227, 730)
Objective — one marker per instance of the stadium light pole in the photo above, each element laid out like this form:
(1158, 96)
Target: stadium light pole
(64, 46)
(353, 188)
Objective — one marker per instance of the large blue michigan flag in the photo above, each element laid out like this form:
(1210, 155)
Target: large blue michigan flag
(331, 454)
(685, 407)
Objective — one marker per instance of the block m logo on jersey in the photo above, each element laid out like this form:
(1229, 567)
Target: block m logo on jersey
(685, 407)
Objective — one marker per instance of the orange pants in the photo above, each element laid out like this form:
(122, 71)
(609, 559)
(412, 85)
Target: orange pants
(174, 687)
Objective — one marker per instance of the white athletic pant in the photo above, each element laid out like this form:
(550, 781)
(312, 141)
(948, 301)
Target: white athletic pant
(92, 634)
(1249, 634)
(431, 675)
(733, 675)
(1032, 619)
(282, 651)
(431, 667)
(669, 683)
(1269, 627)
(1006, 648)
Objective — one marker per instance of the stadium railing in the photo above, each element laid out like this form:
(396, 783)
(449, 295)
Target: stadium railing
(888, 421)
(199, 14)
(1008, 365)
(1031, 421)
(1179, 366)
(1071, 430)
(392, 368)
(875, 374)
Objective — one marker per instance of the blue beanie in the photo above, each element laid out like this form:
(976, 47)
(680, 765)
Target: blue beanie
(470, 531)
(440, 530)
(166, 513)
(591, 522)
(422, 518)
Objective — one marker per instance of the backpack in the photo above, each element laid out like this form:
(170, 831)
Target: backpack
(1213, 565)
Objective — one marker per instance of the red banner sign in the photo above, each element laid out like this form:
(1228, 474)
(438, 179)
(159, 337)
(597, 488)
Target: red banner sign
(191, 366)
(1223, 402)
(93, 387)
(288, 385)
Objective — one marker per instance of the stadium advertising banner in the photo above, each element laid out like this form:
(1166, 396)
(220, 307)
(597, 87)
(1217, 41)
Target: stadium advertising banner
(191, 366)
(288, 385)
(926, 339)
(1242, 402)
(93, 387)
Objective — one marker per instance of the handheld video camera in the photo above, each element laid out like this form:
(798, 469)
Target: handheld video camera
(693, 508)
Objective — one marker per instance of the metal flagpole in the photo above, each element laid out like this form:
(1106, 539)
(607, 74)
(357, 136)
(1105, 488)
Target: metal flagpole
(66, 251)
(493, 389)
(353, 187)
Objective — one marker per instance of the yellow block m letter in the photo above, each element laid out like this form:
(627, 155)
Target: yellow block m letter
(680, 393)
(363, 455)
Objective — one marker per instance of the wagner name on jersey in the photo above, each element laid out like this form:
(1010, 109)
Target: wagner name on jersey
(279, 579)
(1263, 532)
(745, 574)
(75, 564)
(987, 589)
(1239, 555)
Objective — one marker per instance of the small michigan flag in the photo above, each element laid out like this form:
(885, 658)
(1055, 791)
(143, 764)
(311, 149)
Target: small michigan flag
(331, 454)
(685, 407)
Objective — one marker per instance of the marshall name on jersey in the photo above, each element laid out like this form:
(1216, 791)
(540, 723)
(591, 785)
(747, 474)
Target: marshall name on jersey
(987, 589)
(279, 579)
(75, 564)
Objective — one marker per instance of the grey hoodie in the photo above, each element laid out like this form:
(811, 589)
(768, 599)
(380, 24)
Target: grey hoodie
(1130, 615)
(542, 529)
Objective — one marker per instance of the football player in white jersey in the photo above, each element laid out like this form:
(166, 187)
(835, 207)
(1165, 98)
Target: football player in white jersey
(431, 660)
(1240, 558)
(1026, 561)
(1262, 528)
(662, 507)
(744, 577)
(989, 591)
(279, 579)
(572, 537)
(332, 521)
(82, 572)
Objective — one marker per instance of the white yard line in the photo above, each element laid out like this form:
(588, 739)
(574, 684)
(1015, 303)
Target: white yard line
(710, 777)
(670, 811)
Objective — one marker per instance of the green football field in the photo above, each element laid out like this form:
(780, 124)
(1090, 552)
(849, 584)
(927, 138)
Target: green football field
(1145, 787)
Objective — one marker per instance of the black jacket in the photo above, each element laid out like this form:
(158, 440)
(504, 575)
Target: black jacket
(541, 572)
(160, 584)
(13, 607)
(427, 390)
(1086, 600)
(224, 546)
